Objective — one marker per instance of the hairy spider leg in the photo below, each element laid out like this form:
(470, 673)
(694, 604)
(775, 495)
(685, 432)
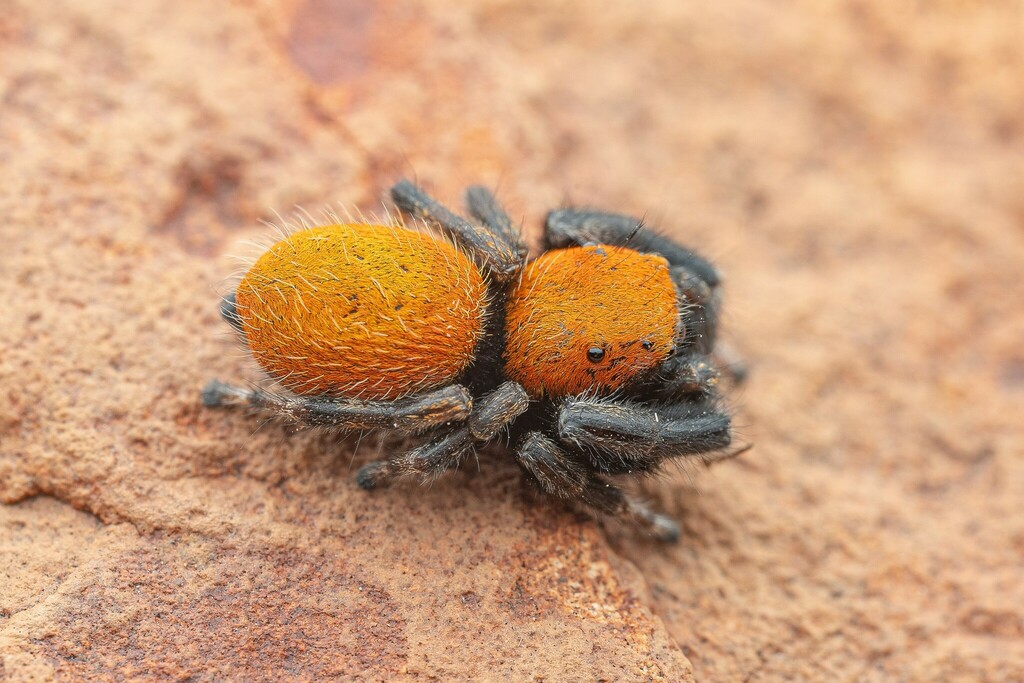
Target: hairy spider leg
(487, 246)
(622, 437)
(446, 447)
(559, 475)
(413, 414)
(484, 207)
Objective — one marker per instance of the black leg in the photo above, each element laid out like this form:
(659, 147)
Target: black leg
(552, 467)
(622, 437)
(613, 501)
(445, 448)
(229, 312)
(684, 375)
(497, 410)
(698, 307)
(484, 207)
(427, 461)
(569, 227)
(559, 475)
(490, 249)
(413, 414)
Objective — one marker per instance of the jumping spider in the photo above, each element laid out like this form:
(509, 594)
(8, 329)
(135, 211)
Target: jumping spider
(595, 356)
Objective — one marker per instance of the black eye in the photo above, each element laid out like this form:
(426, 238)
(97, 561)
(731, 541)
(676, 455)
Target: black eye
(648, 345)
(595, 354)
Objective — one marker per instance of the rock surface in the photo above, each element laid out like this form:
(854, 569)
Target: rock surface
(855, 167)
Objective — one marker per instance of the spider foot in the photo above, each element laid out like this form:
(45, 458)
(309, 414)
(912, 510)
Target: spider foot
(217, 394)
(373, 475)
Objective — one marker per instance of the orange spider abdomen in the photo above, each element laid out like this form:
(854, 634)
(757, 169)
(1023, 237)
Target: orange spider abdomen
(589, 320)
(362, 311)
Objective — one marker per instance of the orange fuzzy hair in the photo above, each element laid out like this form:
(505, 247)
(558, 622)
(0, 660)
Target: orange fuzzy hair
(362, 311)
(571, 300)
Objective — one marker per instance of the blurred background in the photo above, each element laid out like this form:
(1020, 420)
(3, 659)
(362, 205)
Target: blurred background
(854, 167)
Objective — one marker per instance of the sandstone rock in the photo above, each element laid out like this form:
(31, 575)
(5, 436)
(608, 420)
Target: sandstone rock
(855, 168)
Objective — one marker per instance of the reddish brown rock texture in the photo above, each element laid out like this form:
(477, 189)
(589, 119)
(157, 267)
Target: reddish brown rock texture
(855, 168)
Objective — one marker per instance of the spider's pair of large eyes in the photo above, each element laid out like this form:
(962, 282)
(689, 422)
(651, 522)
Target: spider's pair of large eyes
(595, 354)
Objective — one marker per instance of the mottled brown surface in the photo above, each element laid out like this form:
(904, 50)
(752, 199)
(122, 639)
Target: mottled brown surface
(855, 167)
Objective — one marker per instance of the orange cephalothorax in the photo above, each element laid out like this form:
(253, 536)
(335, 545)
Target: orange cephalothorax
(589, 320)
(368, 311)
